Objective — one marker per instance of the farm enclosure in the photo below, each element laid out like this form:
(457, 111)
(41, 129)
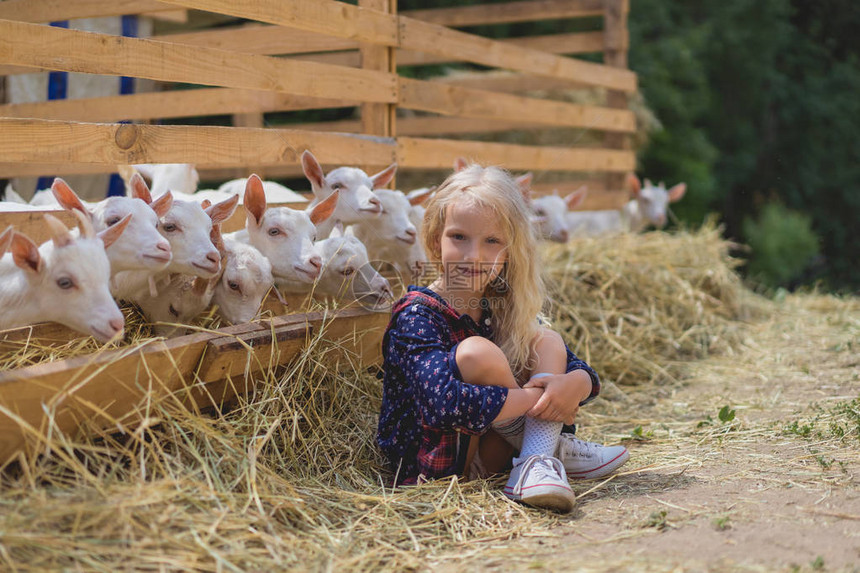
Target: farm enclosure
(276, 57)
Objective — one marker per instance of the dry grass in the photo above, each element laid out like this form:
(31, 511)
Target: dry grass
(290, 477)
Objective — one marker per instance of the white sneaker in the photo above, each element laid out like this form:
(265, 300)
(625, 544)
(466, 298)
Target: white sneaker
(586, 460)
(540, 481)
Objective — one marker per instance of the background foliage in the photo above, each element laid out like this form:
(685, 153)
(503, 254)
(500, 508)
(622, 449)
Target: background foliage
(758, 103)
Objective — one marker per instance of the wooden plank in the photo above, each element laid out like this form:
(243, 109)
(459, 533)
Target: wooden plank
(615, 54)
(505, 13)
(597, 199)
(32, 223)
(424, 126)
(76, 51)
(345, 21)
(423, 37)
(46, 141)
(506, 82)
(262, 39)
(467, 102)
(326, 17)
(108, 388)
(170, 104)
(378, 118)
(43, 11)
(433, 153)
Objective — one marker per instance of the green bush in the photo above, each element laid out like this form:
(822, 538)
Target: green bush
(782, 244)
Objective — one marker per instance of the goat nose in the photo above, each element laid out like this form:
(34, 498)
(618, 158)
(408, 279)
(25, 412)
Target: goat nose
(411, 233)
(163, 246)
(563, 236)
(213, 257)
(316, 262)
(117, 324)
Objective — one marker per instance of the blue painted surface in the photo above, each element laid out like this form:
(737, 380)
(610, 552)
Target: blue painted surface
(58, 88)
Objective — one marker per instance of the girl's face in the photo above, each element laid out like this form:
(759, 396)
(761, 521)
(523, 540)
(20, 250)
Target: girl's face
(473, 247)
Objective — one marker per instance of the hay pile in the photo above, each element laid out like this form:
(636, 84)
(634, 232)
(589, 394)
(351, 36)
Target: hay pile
(633, 306)
(291, 478)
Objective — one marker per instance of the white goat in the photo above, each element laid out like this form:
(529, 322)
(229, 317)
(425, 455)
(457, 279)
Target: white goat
(275, 192)
(64, 280)
(392, 236)
(187, 227)
(347, 273)
(246, 280)
(285, 236)
(357, 198)
(177, 177)
(648, 207)
(141, 246)
(550, 214)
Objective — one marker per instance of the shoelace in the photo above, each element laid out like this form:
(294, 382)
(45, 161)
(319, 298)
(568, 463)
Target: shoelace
(579, 448)
(542, 467)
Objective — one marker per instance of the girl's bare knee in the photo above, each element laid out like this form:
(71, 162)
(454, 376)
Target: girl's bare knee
(479, 360)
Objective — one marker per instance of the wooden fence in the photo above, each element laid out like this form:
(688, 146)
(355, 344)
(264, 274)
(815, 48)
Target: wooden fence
(293, 55)
(316, 54)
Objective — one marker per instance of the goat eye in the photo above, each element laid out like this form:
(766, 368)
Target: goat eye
(540, 213)
(274, 231)
(173, 311)
(348, 271)
(336, 186)
(112, 221)
(233, 285)
(169, 227)
(65, 283)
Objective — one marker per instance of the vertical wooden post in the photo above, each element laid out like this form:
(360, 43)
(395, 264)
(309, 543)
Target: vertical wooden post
(378, 118)
(254, 119)
(615, 45)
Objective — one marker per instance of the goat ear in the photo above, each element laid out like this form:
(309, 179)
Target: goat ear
(5, 240)
(460, 163)
(325, 208)
(112, 233)
(279, 295)
(25, 254)
(205, 204)
(217, 239)
(349, 231)
(163, 204)
(59, 232)
(139, 190)
(220, 212)
(200, 286)
(313, 170)
(85, 224)
(255, 198)
(126, 172)
(525, 181)
(575, 198)
(419, 198)
(384, 177)
(67, 198)
(634, 184)
(677, 191)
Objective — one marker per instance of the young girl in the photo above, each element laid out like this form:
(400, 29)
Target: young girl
(469, 354)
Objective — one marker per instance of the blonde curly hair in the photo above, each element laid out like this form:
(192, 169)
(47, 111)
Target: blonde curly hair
(518, 295)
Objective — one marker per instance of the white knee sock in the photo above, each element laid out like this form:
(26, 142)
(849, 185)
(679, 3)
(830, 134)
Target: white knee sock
(512, 431)
(540, 437)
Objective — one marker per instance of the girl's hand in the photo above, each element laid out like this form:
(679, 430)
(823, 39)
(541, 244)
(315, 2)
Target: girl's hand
(561, 397)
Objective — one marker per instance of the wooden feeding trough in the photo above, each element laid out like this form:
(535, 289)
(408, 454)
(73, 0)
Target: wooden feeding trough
(278, 57)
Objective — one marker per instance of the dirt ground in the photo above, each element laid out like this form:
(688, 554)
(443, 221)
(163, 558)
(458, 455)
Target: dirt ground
(776, 488)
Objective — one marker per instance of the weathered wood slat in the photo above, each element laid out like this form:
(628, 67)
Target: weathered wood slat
(109, 388)
(467, 102)
(346, 21)
(24, 140)
(509, 12)
(76, 51)
(171, 104)
(433, 153)
(42, 11)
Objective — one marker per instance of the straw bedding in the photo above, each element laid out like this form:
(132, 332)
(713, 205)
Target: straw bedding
(290, 477)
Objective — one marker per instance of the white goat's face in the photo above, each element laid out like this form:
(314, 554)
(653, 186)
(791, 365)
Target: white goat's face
(246, 280)
(550, 218)
(73, 288)
(286, 237)
(141, 246)
(357, 201)
(394, 224)
(654, 201)
(187, 227)
(347, 273)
